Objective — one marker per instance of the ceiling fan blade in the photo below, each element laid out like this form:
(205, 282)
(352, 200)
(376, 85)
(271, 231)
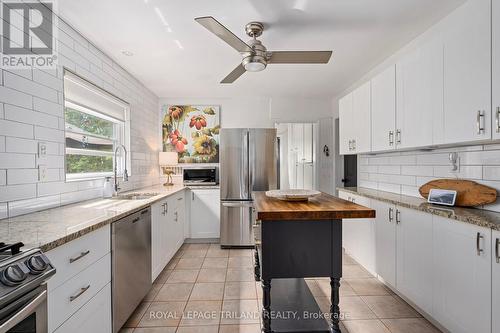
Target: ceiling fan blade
(223, 33)
(300, 57)
(236, 73)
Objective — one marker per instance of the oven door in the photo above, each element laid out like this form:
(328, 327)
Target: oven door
(26, 314)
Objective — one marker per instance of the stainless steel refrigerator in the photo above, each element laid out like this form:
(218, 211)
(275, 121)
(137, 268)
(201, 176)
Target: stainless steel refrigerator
(248, 162)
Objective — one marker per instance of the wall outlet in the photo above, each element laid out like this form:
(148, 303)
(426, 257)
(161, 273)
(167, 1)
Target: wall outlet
(42, 149)
(454, 162)
(42, 173)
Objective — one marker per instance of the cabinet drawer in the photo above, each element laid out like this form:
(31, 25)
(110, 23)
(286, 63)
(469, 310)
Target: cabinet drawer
(177, 199)
(74, 257)
(74, 293)
(94, 316)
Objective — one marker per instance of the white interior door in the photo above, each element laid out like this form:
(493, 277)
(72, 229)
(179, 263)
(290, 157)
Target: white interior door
(419, 77)
(467, 73)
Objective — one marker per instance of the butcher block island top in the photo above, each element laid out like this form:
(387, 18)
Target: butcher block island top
(321, 207)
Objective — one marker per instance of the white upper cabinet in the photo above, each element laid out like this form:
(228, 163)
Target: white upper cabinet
(419, 77)
(361, 124)
(346, 125)
(383, 103)
(467, 73)
(496, 69)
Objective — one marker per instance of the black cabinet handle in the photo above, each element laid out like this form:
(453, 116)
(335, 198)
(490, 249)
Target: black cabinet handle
(497, 250)
(478, 245)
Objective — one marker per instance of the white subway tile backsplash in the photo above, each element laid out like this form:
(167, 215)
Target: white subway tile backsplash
(68, 198)
(466, 171)
(12, 96)
(3, 177)
(478, 163)
(52, 108)
(2, 144)
(16, 129)
(28, 116)
(19, 145)
(491, 172)
(22, 176)
(56, 188)
(49, 134)
(17, 192)
(33, 205)
(3, 210)
(16, 161)
(47, 80)
(25, 85)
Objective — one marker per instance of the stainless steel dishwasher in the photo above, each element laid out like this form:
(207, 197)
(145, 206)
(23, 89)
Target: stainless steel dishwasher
(131, 264)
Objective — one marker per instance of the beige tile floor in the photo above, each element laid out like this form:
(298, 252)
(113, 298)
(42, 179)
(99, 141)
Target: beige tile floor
(206, 290)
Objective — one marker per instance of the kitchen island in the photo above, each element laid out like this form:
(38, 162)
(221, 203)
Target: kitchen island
(297, 240)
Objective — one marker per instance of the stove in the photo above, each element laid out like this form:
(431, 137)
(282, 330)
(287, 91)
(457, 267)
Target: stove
(23, 291)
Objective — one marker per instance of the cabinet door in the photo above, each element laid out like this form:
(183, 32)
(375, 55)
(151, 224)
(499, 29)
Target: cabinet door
(347, 230)
(495, 292)
(496, 70)
(467, 73)
(414, 256)
(94, 316)
(345, 125)
(205, 214)
(419, 77)
(383, 103)
(363, 237)
(462, 276)
(361, 124)
(179, 218)
(385, 241)
(298, 140)
(308, 176)
(159, 237)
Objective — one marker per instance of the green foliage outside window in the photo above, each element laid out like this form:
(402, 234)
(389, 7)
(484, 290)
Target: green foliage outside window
(89, 123)
(86, 164)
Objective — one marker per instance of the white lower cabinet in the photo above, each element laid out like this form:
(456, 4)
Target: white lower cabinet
(495, 292)
(385, 241)
(462, 276)
(94, 316)
(205, 213)
(359, 235)
(167, 228)
(414, 256)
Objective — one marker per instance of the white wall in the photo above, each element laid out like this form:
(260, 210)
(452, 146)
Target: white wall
(31, 111)
(241, 112)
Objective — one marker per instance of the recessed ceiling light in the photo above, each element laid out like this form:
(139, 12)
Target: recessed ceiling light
(127, 53)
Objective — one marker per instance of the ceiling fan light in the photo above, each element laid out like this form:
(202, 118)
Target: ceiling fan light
(255, 66)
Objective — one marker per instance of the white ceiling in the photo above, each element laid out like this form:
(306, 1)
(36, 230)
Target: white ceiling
(188, 61)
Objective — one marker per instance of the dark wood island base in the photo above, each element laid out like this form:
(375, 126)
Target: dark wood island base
(296, 241)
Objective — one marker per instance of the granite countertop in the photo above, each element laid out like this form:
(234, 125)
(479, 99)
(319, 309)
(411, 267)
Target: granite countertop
(482, 218)
(54, 227)
(321, 207)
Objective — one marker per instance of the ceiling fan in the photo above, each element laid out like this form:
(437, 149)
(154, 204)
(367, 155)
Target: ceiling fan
(255, 55)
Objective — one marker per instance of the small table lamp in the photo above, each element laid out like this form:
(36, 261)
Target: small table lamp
(167, 160)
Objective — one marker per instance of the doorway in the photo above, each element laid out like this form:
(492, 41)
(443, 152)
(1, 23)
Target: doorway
(297, 155)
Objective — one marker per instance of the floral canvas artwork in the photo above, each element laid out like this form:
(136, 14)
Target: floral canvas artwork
(192, 131)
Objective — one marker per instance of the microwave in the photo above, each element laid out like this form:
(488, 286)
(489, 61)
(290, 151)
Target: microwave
(200, 176)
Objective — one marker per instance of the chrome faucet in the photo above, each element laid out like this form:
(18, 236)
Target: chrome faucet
(125, 173)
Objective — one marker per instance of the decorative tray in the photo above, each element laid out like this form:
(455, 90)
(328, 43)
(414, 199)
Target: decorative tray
(292, 195)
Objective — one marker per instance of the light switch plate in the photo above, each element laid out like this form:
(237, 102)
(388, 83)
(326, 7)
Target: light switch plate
(42, 172)
(42, 149)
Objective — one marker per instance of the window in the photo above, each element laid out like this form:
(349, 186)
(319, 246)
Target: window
(96, 122)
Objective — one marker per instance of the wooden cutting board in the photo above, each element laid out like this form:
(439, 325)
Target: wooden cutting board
(469, 193)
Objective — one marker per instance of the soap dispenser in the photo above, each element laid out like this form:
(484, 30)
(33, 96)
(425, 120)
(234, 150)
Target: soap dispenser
(108, 188)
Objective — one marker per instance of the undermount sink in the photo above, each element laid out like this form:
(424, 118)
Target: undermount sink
(135, 196)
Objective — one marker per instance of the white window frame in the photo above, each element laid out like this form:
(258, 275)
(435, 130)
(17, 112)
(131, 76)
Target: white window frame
(122, 137)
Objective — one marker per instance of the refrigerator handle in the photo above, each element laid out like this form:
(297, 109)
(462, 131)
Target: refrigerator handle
(250, 156)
